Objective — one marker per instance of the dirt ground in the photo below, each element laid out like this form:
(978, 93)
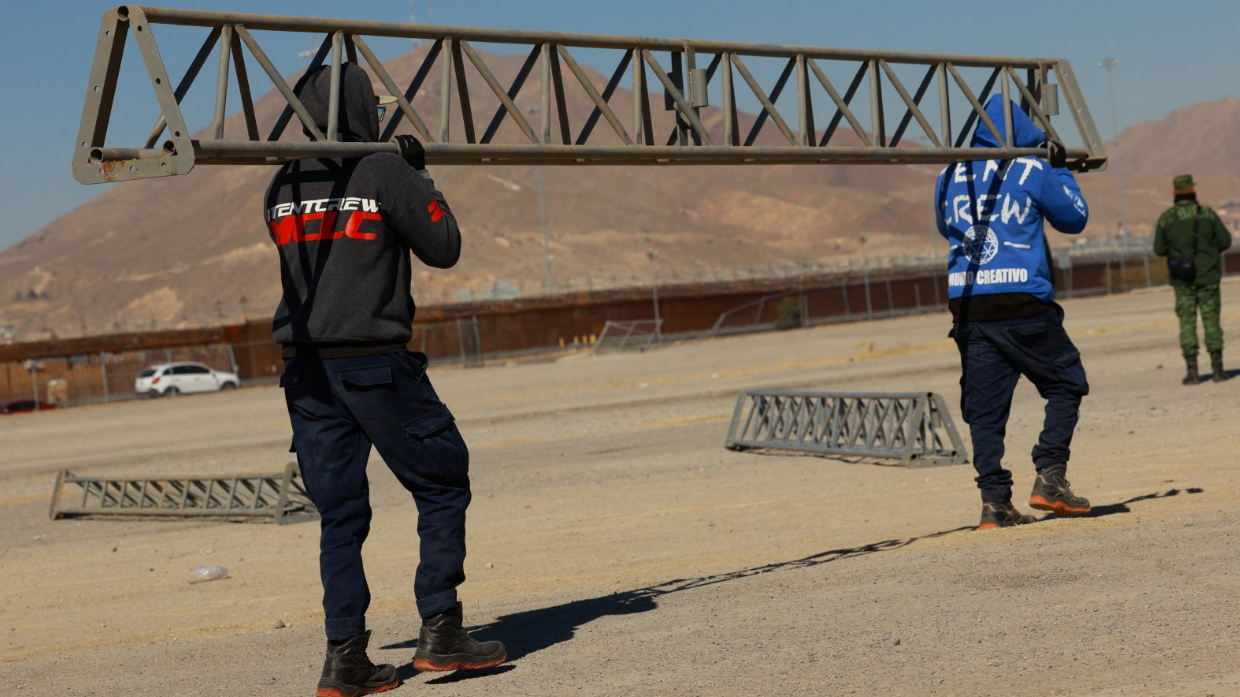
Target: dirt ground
(619, 549)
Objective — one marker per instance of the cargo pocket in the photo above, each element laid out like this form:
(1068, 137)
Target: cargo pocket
(437, 450)
(1068, 358)
(1072, 371)
(366, 376)
(1028, 334)
(430, 423)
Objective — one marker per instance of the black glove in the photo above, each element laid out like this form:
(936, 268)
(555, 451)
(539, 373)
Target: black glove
(1056, 153)
(411, 151)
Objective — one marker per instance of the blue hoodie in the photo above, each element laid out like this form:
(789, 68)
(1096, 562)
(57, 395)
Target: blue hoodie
(991, 213)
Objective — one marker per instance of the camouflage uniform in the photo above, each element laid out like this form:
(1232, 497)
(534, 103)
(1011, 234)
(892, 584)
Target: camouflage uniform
(1173, 237)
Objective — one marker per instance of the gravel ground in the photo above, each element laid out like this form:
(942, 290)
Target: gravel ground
(618, 549)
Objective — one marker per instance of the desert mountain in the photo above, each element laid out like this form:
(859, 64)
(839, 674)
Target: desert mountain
(1202, 139)
(193, 250)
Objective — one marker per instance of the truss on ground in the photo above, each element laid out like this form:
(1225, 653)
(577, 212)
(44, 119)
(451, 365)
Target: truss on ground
(687, 76)
(915, 428)
(273, 496)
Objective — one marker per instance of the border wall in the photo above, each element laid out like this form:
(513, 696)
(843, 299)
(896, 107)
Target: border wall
(103, 368)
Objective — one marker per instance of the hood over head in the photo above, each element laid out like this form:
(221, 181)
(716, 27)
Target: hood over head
(358, 114)
(1026, 135)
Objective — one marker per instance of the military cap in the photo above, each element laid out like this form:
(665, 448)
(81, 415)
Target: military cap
(1183, 184)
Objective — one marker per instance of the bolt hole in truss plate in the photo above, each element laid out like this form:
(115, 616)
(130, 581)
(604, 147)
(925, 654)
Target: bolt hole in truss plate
(276, 497)
(666, 102)
(915, 428)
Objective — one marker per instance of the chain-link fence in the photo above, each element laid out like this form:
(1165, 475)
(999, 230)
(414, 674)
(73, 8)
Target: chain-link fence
(1118, 269)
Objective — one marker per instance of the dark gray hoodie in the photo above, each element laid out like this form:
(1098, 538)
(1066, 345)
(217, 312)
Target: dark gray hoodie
(345, 229)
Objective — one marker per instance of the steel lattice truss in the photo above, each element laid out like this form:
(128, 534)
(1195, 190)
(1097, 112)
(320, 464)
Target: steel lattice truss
(275, 496)
(915, 428)
(685, 75)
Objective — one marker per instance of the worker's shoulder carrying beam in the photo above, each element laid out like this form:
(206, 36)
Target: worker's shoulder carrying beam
(696, 81)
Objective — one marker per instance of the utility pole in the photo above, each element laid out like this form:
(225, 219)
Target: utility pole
(542, 214)
(652, 255)
(1110, 63)
(33, 367)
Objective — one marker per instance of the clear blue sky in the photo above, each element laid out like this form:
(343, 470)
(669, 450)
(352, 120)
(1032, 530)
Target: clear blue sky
(1171, 55)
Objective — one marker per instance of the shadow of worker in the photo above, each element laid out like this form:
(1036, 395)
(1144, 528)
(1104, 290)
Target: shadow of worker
(524, 633)
(1122, 506)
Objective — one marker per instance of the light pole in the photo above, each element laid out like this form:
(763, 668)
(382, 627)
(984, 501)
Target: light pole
(652, 255)
(542, 214)
(33, 367)
(1109, 63)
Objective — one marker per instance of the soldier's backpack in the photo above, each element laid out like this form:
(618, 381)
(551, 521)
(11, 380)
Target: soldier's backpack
(1184, 269)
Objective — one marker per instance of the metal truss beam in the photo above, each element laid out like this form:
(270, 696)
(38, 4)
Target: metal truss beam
(271, 496)
(915, 428)
(1036, 83)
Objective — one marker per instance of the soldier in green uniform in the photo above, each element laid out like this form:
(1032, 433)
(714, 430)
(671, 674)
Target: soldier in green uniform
(1191, 236)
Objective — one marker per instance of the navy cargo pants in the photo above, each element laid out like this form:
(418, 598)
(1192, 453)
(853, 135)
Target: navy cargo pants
(993, 356)
(339, 407)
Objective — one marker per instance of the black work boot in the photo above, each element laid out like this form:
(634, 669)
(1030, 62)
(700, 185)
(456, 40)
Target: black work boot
(1002, 515)
(1216, 364)
(348, 672)
(443, 644)
(1051, 492)
(1191, 378)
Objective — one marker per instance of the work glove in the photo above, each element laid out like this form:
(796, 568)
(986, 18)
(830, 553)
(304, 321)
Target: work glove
(1056, 153)
(411, 151)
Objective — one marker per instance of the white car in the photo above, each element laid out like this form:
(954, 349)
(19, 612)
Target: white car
(171, 379)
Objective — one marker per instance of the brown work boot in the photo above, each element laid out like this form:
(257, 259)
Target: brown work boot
(1216, 365)
(443, 644)
(1002, 515)
(1051, 492)
(1191, 378)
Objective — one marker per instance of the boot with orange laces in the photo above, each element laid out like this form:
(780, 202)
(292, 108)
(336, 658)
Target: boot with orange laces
(1051, 492)
(1002, 515)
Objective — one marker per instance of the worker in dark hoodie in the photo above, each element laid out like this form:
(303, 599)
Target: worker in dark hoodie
(345, 229)
(1002, 299)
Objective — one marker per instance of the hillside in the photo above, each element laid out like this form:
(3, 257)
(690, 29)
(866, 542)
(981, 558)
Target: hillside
(193, 250)
(1202, 139)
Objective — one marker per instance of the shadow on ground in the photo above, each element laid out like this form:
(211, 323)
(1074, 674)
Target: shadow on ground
(1122, 506)
(1206, 378)
(531, 631)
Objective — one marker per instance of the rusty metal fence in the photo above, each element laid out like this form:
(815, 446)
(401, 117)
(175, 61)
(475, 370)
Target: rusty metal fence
(484, 333)
(883, 293)
(103, 376)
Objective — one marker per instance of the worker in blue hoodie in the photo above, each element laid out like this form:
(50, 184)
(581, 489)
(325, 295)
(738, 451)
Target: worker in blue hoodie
(1005, 319)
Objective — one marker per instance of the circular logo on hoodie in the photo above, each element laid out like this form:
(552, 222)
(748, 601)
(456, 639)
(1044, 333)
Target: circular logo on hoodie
(980, 245)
